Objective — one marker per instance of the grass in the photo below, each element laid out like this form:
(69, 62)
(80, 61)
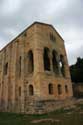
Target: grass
(58, 117)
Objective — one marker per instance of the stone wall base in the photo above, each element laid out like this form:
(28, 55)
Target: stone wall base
(45, 106)
(42, 106)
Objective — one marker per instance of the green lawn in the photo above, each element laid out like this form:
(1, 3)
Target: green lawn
(59, 117)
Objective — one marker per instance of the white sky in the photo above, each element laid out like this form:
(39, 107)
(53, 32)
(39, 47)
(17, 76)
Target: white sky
(65, 15)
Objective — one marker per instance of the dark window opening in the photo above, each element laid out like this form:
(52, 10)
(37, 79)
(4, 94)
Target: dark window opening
(46, 59)
(30, 62)
(19, 91)
(59, 89)
(61, 64)
(50, 87)
(31, 91)
(6, 69)
(52, 37)
(55, 61)
(66, 88)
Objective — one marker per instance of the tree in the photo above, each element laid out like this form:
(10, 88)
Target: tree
(76, 71)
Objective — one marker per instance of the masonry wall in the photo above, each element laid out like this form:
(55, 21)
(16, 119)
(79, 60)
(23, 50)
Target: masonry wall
(14, 85)
(46, 77)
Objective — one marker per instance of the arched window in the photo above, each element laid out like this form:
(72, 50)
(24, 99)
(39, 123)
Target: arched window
(31, 91)
(55, 61)
(50, 88)
(30, 62)
(59, 89)
(61, 63)
(46, 59)
(66, 88)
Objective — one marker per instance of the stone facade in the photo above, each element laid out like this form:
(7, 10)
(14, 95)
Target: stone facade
(34, 67)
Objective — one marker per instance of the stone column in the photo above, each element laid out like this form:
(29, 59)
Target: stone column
(38, 60)
(51, 65)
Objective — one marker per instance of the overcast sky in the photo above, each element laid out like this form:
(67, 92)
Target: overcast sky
(65, 15)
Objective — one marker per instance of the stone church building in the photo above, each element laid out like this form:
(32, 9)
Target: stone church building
(34, 72)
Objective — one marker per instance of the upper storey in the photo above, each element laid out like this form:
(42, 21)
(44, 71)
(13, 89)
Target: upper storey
(40, 44)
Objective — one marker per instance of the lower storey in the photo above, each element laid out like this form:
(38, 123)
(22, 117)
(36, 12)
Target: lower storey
(40, 106)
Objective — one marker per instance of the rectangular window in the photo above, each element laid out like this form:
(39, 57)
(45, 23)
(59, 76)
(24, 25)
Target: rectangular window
(19, 91)
(6, 69)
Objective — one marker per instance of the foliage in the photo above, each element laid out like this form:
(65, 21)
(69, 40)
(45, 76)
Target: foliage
(76, 71)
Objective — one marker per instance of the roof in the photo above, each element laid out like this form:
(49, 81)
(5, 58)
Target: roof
(29, 28)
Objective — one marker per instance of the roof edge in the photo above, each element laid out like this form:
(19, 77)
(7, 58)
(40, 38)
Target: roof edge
(36, 22)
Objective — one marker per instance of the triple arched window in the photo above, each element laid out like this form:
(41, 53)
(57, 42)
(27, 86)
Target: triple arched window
(57, 61)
